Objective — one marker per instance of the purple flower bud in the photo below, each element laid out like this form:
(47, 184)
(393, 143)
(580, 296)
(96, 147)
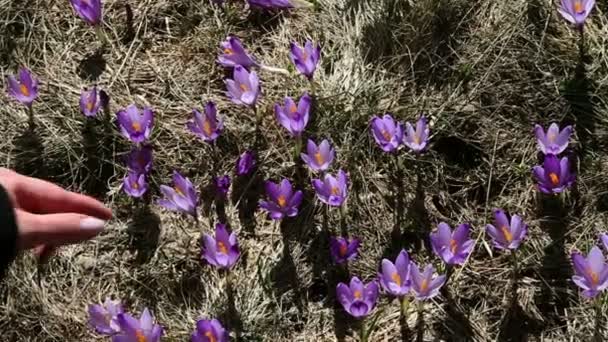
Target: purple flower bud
(452, 247)
(305, 58)
(425, 285)
(332, 190)
(207, 126)
(142, 330)
(387, 132)
(139, 160)
(358, 299)
(318, 158)
(417, 140)
(504, 233)
(210, 331)
(342, 250)
(234, 54)
(89, 102)
(24, 90)
(282, 200)
(554, 176)
(294, 118)
(591, 273)
(104, 317)
(554, 141)
(245, 163)
(182, 197)
(395, 278)
(135, 185)
(604, 240)
(221, 251)
(88, 10)
(244, 88)
(222, 185)
(576, 11)
(135, 126)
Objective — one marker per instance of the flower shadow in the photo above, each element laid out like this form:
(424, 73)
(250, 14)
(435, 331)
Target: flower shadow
(144, 232)
(246, 194)
(29, 152)
(98, 157)
(92, 65)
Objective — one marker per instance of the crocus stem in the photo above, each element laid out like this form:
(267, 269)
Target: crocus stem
(101, 36)
(313, 87)
(405, 303)
(30, 114)
(363, 333)
(343, 214)
(273, 69)
(298, 147)
(421, 317)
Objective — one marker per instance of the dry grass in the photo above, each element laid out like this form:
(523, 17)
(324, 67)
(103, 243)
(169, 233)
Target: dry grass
(485, 71)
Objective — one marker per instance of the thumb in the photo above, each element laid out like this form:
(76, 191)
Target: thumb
(56, 229)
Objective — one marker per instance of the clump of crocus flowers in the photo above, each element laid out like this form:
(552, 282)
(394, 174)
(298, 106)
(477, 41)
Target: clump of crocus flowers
(554, 175)
(282, 201)
(391, 134)
(110, 319)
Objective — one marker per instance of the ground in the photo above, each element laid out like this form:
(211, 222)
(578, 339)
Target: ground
(483, 71)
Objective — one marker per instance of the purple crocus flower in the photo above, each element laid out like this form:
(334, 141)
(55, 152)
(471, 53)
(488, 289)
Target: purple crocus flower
(234, 54)
(207, 126)
(332, 190)
(604, 240)
(505, 233)
(424, 285)
(221, 251)
(418, 139)
(591, 273)
(342, 250)
(554, 141)
(135, 184)
(89, 102)
(554, 176)
(135, 126)
(142, 330)
(221, 185)
(104, 317)
(358, 299)
(452, 247)
(294, 118)
(182, 197)
(244, 88)
(282, 200)
(318, 158)
(305, 58)
(395, 278)
(88, 10)
(387, 132)
(270, 4)
(24, 90)
(139, 160)
(576, 11)
(245, 163)
(210, 330)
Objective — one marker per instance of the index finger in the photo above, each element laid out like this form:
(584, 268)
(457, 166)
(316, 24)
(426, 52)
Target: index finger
(42, 197)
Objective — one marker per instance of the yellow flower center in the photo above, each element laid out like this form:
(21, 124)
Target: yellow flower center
(319, 158)
(453, 246)
(282, 201)
(554, 178)
(90, 106)
(386, 135)
(139, 335)
(578, 6)
(343, 250)
(222, 247)
(293, 108)
(178, 191)
(358, 294)
(24, 90)
(304, 55)
(396, 278)
(207, 128)
(335, 190)
(210, 336)
(228, 51)
(551, 137)
(135, 186)
(595, 279)
(417, 139)
(425, 285)
(136, 126)
(507, 233)
(244, 87)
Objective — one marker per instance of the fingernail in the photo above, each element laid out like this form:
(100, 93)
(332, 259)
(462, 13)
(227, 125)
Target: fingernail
(92, 223)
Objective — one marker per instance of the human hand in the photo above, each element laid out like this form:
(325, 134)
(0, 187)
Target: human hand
(49, 216)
